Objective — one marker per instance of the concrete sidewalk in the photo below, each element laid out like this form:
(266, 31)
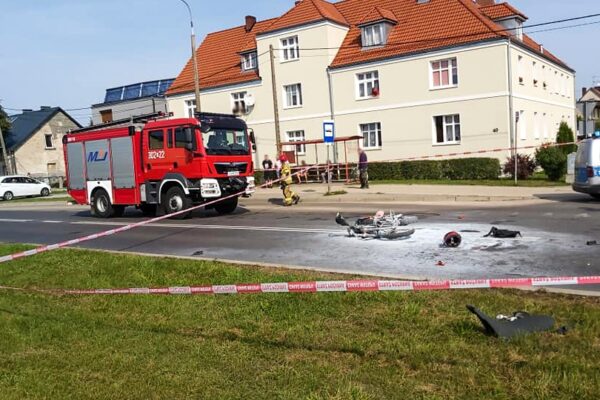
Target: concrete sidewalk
(315, 192)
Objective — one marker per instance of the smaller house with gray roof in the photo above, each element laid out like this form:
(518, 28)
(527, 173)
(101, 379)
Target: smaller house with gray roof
(34, 142)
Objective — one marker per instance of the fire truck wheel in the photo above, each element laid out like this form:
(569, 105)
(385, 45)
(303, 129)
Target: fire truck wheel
(101, 206)
(227, 206)
(176, 200)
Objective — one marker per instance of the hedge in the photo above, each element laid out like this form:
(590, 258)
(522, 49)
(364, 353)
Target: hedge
(455, 169)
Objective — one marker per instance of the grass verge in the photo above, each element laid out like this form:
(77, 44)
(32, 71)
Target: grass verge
(52, 199)
(310, 346)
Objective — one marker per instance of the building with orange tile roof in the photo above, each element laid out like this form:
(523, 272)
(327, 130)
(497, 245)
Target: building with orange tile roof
(413, 77)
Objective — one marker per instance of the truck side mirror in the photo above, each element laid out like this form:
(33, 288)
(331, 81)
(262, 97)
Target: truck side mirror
(251, 133)
(204, 128)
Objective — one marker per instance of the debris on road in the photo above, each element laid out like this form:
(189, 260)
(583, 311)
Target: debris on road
(519, 323)
(452, 239)
(440, 264)
(503, 233)
(593, 243)
(379, 226)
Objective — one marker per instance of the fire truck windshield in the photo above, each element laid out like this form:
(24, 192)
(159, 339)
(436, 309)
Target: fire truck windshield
(225, 141)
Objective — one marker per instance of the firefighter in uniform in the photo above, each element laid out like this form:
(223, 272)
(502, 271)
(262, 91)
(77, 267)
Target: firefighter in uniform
(289, 197)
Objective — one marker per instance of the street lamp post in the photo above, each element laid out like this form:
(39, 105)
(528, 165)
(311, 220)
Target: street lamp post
(194, 59)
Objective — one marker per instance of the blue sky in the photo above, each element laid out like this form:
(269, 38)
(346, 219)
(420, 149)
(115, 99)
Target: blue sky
(67, 52)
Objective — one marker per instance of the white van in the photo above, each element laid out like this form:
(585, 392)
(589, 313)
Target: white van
(587, 167)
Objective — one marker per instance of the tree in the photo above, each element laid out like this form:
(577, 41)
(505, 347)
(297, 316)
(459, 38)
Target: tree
(4, 121)
(553, 160)
(565, 135)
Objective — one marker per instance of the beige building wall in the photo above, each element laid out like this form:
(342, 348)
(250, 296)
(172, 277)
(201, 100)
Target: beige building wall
(34, 158)
(407, 103)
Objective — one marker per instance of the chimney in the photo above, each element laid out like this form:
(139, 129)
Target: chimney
(542, 48)
(250, 22)
(583, 91)
(484, 3)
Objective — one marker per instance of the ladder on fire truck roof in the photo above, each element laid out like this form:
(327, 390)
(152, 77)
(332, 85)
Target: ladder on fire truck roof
(138, 119)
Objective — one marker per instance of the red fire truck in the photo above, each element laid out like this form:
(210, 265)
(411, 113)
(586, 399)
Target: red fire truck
(160, 165)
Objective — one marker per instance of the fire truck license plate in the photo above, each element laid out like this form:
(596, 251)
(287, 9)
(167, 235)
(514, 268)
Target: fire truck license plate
(233, 173)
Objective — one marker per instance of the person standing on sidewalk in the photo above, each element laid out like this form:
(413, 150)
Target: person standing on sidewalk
(268, 172)
(363, 169)
(289, 197)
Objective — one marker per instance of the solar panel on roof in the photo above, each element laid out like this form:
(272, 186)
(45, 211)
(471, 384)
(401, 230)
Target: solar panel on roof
(132, 91)
(113, 95)
(150, 89)
(164, 85)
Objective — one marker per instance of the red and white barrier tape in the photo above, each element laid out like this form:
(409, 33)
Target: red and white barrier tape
(110, 232)
(332, 286)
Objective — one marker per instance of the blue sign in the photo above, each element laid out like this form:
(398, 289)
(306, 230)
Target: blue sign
(597, 134)
(328, 132)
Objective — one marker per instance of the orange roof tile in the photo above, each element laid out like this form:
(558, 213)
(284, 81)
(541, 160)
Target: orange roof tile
(421, 28)
(307, 11)
(378, 14)
(501, 10)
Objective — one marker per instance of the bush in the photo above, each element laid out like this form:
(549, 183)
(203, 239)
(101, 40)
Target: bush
(565, 135)
(526, 166)
(457, 169)
(553, 160)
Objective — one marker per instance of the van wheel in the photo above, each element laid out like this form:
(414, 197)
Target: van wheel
(45, 192)
(101, 206)
(227, 207)
(8, 196)
(175, 200)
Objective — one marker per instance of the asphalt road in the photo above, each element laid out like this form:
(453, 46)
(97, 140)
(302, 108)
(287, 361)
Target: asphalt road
(555, 232)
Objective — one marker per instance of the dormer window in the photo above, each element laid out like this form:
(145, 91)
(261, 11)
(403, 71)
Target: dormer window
(249, 61)
(376, 26)
(373, 35)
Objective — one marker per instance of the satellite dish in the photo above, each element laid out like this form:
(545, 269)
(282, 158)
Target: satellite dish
(250, 100)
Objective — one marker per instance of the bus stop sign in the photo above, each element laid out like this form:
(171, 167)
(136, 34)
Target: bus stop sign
(328, 132)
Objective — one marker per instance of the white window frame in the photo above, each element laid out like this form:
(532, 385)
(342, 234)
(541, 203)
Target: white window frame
(536, 125)
(239, 98)
(190, 106)
(522, 125)
(370, 128)
(289, 100)
(445, 124)
(545, 125)
(367, 80)
(51, 147)
(368, 35)
(453, 79)
(297, 136)
(249, 61)
(290, 49)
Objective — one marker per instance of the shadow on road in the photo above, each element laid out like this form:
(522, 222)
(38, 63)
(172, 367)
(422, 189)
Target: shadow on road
(568, 198)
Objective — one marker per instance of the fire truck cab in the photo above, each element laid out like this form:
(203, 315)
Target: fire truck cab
(160, 165)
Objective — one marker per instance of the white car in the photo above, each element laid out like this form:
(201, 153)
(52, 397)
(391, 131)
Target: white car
(587, 167)
(22, 186)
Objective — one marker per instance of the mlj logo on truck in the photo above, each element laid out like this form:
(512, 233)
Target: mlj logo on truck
(97, 156)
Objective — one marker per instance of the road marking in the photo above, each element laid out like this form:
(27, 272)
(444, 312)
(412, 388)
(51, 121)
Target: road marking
(15, 220)
(222, 227)
(52, 222)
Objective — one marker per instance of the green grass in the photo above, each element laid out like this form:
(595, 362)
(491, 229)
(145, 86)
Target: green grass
(535, 181)
(335, 193)
(284, 346)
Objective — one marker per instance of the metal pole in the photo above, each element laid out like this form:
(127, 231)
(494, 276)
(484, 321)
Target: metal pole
(327, 172)
(275, 102)
(194, 58)
(516, 159)
(4, 154)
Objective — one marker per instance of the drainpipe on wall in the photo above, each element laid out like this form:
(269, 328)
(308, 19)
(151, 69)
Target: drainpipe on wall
(511, 109)
(331, 110)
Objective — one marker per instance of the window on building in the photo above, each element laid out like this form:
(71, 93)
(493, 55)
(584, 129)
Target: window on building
(534, 70)
(373, 35)
(371, 134)
(249, 61)
(190, 106)
(545, 124)
(238, 102)
(536, 125)
(519, 30)
(106, 115)
(156, 140)
(49, 143)
(444, 73)
(522, 125)
(293, 95)
(544, 77)
(289, 49)
(297, 136)
(520, 70)
(447, 129)
(367, 84)
(51, 168)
